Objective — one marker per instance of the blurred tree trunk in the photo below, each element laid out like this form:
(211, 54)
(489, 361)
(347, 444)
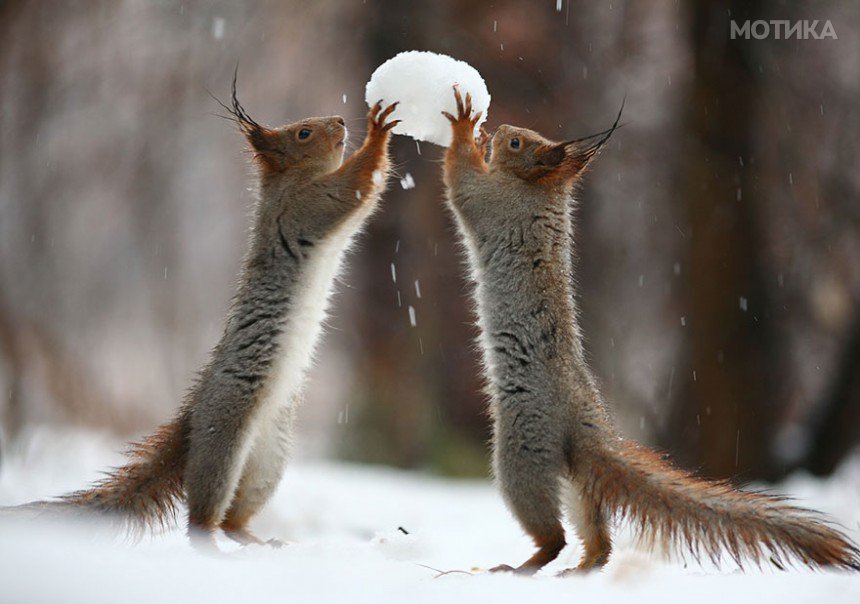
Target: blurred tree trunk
(12, 365)
(725, 422)
(838, 427)
(419, 391)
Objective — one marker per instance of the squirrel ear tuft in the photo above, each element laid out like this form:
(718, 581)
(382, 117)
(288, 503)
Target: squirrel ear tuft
(551, 157)
(263, 140)
(564, 160)
(570, 158)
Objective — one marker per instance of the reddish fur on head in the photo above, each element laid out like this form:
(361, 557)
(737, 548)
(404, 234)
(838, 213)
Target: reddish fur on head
(534, 158)
(315, 143)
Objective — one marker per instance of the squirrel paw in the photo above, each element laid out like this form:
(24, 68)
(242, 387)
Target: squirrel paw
(376, 118)
(245, 537)
(482, 140)
(464, 120)
(524, 570)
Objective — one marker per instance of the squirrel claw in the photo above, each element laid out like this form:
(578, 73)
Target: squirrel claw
(503, 568)
(483, 138)
(464, 110)
(377, 120)
(388, 111)
(391, 125)
(459, 99)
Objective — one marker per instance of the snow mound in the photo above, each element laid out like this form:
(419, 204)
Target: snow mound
(423, 84)
(363, 535)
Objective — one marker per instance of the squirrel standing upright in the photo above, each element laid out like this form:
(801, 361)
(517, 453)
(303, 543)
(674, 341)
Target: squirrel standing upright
(225, 451)
(555, 446)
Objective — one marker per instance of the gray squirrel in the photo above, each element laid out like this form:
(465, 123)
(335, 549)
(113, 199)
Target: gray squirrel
(225, 451)
(555, 447)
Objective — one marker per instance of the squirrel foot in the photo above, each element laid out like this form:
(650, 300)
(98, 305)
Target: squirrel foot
(244, 536)
(520, 570)
(203, 540)
(576, 571)
(588, 565)
(204, 543)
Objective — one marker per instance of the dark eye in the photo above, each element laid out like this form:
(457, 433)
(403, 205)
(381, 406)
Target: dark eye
(515, 143)
(304, 133)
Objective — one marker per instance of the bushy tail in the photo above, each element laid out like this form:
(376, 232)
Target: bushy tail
(672, 509)
(140, 495)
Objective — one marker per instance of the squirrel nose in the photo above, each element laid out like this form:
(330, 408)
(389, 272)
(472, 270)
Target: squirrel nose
(339, 120)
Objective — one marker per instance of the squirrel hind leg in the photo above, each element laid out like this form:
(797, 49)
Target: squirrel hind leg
(260, 477)
(592, 527)
(549, 547)
(235, 522)
(533, 498)
(202, 538)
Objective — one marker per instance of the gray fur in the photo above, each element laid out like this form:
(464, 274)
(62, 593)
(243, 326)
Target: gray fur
(543, 399)
(240, 413)
(554, 444)
(225, 451)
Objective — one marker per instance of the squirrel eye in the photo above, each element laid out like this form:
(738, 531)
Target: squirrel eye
(304, 133)
(515, 143)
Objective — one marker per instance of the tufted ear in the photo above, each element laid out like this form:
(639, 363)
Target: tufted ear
(263, 140)
(569, 159)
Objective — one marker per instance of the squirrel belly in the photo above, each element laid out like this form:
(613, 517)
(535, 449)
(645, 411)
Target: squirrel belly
(303, 325)
(555, 448)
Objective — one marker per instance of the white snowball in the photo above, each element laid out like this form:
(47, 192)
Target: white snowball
(423, 83)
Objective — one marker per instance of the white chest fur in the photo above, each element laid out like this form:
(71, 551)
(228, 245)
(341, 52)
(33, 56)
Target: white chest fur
(303, 323)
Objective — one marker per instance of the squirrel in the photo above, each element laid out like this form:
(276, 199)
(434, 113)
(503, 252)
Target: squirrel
(225, 451)
(555, 448)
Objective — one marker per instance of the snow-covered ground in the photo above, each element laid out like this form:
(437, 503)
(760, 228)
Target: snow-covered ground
(342, 522)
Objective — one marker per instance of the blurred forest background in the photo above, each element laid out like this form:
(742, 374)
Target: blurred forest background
(718, 235)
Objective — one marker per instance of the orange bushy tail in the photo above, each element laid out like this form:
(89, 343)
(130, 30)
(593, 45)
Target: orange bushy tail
(670, 508)
(140, 495)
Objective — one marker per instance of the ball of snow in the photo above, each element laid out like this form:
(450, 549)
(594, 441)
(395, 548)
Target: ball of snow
(423, 83)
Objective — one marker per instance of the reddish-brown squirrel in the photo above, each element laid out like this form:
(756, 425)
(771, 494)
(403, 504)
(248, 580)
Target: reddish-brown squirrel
(225, 451)
(555, 446)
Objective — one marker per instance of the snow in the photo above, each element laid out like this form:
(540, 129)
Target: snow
(343, 523)
(218, 28)
(423, 84)
(407, 182)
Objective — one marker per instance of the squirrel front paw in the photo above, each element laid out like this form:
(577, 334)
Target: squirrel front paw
(482, 140)
(376, 125)
(464, 123)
